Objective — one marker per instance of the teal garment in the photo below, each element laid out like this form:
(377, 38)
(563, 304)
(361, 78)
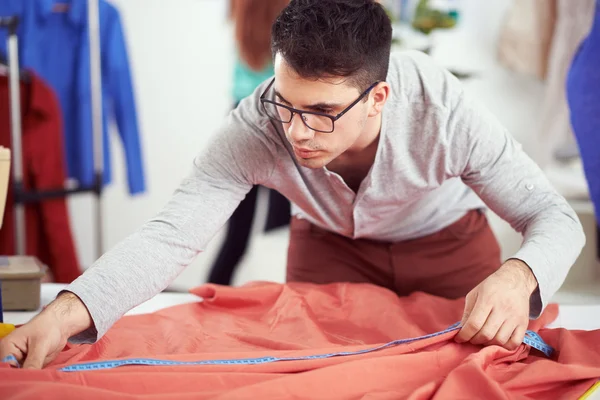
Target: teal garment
(245, 80)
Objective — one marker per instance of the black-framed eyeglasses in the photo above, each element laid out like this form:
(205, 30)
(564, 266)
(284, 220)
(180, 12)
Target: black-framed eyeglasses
(317, 121)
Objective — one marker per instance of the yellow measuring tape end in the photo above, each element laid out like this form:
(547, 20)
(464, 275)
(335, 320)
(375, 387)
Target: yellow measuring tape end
(590, 391)
(5, 329)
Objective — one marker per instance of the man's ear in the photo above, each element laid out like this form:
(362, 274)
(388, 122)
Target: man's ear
(379, 95)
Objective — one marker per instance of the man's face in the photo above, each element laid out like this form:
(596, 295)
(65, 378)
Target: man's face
(315, 149)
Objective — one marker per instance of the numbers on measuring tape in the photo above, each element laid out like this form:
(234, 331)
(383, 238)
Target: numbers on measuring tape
(534, 340)
(531, 339)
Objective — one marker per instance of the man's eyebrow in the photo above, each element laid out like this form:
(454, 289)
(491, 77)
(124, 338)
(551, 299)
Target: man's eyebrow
(317, 106)
(281, 97)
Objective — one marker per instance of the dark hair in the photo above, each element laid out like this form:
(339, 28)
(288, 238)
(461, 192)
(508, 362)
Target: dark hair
(346, 38)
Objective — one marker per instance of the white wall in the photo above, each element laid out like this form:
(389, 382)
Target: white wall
(181, 57)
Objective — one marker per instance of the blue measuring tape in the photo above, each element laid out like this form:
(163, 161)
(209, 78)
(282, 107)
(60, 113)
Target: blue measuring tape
(534, 340)
(531, 338)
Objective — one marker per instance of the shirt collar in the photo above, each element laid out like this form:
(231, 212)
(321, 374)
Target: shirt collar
(77, 10)
(35, 96)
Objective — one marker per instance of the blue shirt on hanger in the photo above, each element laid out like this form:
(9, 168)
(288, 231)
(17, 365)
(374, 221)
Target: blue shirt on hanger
(55, 44)
(583, 95)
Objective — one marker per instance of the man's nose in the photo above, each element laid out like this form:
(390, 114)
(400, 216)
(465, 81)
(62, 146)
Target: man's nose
(298, 131)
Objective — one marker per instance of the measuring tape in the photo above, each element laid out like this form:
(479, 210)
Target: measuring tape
(531, 338)
(534, 340)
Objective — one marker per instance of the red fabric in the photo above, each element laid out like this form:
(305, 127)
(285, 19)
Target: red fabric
(304, 319)
(48, 232)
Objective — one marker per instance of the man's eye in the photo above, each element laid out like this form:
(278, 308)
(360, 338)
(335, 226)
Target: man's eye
(324, 111)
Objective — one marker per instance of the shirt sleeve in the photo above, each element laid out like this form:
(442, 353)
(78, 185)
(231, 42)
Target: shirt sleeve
(143, 265)
(122, 97)
(494, 165)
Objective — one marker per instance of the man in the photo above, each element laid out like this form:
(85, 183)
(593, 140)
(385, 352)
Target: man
(387, 164)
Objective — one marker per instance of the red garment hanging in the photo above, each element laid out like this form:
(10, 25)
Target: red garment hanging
(48, 231)
(299, 319)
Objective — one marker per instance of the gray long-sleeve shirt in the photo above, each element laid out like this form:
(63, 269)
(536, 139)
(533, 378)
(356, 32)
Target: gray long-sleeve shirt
(439, 155)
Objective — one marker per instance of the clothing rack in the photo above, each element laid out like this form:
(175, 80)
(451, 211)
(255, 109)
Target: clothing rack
(22, 197)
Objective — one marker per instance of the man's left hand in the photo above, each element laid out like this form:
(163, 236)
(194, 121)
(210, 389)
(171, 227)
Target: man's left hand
(497, 310)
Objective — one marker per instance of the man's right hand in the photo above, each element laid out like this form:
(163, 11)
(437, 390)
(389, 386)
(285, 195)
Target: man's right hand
(38, 342)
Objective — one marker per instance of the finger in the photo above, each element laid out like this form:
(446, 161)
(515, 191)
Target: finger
(517, 337)
(10, 349)
(470, 301)
(490, 328)
(504, 334)
(474, 322)
(36, 354)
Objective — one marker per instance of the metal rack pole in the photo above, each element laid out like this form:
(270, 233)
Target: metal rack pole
(97, 125)
(15, 128)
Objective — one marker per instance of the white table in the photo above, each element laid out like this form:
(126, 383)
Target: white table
(584, 316)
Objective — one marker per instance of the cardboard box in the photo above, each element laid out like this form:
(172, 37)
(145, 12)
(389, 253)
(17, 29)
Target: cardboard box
(20, 276)
(21, 280)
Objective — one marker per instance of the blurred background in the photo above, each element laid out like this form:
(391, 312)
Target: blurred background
(170, 70)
